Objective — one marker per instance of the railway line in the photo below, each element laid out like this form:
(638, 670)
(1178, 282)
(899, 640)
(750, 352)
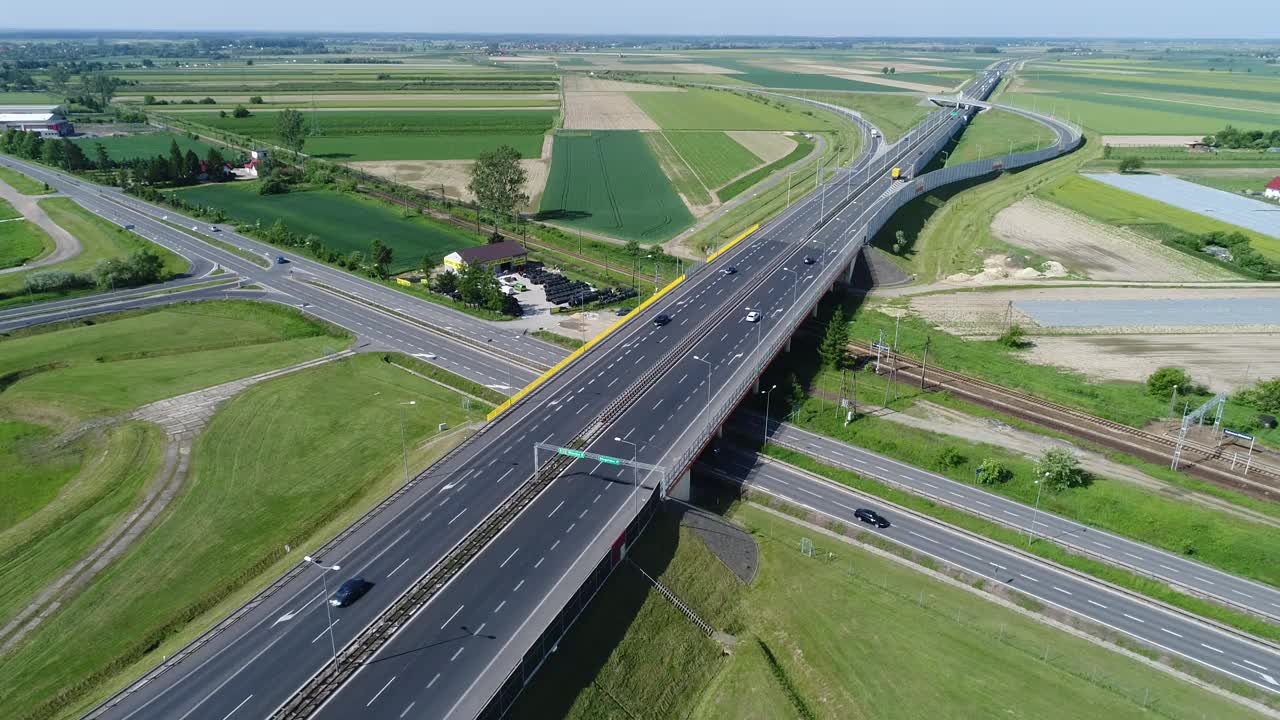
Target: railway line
(1204, 461)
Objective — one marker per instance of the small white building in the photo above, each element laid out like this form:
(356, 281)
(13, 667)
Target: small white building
(1272, 191)
(47, 120)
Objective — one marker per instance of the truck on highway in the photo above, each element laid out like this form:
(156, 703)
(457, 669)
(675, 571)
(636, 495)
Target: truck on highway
(897, 173)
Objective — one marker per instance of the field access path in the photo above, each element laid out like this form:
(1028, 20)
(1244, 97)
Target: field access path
(181, 418)
(66, 245)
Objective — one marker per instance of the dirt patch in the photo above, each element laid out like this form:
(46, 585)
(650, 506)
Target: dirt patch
(768, 146)
(1001, 268)
(860, 75)
(1092, 249)
(925, 415)
(1147, 140)
(984, 313)
(453, 175)
(1221, 361)
(669, 68)
(589, 83)
(605, 109)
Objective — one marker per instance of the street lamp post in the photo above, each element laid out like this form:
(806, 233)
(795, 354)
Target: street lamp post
(635, 473)
(404, 447)
(328, 612)
(768, 395)
(1036, 515)
(704, 359)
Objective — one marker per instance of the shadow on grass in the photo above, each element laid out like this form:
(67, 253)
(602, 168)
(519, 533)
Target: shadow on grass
(561, 214)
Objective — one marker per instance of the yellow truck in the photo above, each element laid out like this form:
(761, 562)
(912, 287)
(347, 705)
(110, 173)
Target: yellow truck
(897, 173)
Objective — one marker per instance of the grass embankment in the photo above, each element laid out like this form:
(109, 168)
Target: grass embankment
(289, 461)
(100, 241)
(949, 230)
(558, 339)
(22, 183)
(844, 635)
(632, 653)
(1149, 217)
(20, 241)
(802, 149)
(996, 133)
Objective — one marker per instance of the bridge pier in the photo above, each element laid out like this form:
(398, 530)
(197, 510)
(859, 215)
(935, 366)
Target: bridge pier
(788, 346)
(680, 489)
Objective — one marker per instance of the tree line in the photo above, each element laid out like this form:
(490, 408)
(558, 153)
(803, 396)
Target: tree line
(1234, 138)
(176, 168)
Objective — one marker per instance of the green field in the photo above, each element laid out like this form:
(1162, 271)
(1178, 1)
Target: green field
(343, 221)
(994, 133)
(22, 183)
(845, 634)
(147, 145)
(401, 134)
(737, 187)
(609, 182)
(1118, 207)
(1234, 183)
(699, 109)
(22, 241)
(893, 114)
(100, 240)
(768, 77)
(714, 157)
(61, 497)
(7, 211)
(279, 464)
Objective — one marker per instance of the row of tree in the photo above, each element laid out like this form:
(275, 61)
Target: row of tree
(1242, 254)
(173, 169)
(141, 268)
(1236, 139)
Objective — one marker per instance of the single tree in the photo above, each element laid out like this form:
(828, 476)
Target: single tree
(1059, 469)
(446, 282)
(291, 129)
(498, 180)
(380, 253)
(240, 112)
(1131, 164)
(428, 264)
(102, 159)
(993, 472)
(1162, 382)
(177, 163)
(1014, 337)
(101, 88)
(1263, 396)
(835, 342)
(948, 458)
(73, 157)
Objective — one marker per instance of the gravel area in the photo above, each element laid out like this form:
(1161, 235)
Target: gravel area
(733, 545)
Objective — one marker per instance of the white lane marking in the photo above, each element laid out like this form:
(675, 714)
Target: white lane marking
(455, 517)
(518, 586)
(1006, 512)
(1095, 542)
(1206, 582)
(495, 610)
(1135, 557)
(415, 702)
(1170, 632)
(975, 557)
(570, 528)
(233, 710)
(922, 537)
(997, 565)
(1029, 577)
(1064, 592)
(655, 407)
(982, 503)
(424, 517)
(324, 631)
(456, 653)
(513, 554)
(451, 617)
(553, 512)
(393, 570)
(1241, 593)
(554, 544)
(535, 565)
(1166, 567)
(1135, 619)
(384, 687)
(1210, 647)
(1091, 602)
(922, 482)
(615, 381)
(1260, 667)
(505, 474)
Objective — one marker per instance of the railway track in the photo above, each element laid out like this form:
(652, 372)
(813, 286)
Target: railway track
(1206, 461)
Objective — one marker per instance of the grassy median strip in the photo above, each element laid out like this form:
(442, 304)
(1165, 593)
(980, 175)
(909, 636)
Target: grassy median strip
(22, 183)
(1151, 588)
(557, 339)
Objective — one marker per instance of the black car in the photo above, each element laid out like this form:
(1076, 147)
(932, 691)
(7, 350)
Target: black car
(661, 320)
(730, 270)
(808, 260)
(871, 517)
(350, 591)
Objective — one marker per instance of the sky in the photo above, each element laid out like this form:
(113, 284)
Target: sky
(933, 18)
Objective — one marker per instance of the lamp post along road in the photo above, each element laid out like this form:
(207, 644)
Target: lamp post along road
(404, 447)
(708, 364)
(328, 608)
(768, 395)
(1035, 515)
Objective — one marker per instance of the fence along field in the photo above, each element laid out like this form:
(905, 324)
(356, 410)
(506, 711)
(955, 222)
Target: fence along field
(343, 222)
(609, 182)
(401, 134)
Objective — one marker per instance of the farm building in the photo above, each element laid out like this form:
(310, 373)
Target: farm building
(499, 256)
(47, 120)
(1272, 191)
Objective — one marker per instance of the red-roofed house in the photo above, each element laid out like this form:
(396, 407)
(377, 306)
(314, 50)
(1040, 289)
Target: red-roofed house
(1273, 189)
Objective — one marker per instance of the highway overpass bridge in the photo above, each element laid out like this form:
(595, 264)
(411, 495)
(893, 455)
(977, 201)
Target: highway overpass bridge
(482, 561)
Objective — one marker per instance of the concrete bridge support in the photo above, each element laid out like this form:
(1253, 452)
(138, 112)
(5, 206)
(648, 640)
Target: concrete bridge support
(680, 488)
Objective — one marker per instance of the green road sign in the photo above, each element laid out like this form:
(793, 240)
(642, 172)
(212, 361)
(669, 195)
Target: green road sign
(610, 461)
(572, 453)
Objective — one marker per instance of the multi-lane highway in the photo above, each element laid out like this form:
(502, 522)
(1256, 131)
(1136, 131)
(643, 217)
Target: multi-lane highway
(1194, 577)
(476, 349)
(641, 392)
(1175, 633)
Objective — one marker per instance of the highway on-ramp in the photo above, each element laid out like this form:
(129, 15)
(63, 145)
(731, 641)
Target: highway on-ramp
(1175, 633)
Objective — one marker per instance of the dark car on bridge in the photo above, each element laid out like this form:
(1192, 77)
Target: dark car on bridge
(661, 320)
(871, 517)
(350, 591)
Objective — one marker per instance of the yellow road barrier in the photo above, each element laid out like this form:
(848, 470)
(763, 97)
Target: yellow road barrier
(724, 248)
(587, 346)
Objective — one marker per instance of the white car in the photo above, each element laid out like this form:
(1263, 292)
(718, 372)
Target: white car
(753, 316)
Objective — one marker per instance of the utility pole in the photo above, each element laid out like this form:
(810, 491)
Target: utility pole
(924, 364)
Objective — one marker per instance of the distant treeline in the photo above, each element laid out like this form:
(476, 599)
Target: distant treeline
(1236, 139)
